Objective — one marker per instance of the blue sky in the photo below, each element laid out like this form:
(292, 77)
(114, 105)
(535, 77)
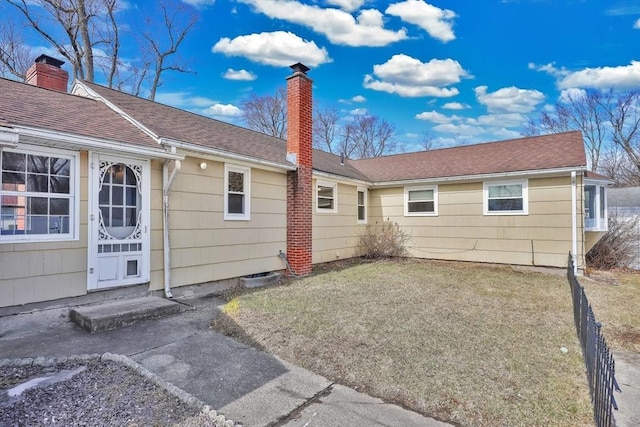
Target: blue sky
(461, 71)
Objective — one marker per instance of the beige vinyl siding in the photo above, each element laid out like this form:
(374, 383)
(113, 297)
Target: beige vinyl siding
(337, 235)
(205, 247)
(462, 232)
(41, 271)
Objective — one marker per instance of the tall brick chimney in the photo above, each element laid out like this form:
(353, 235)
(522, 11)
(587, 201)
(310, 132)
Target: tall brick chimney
(299, 182)
(46, 72)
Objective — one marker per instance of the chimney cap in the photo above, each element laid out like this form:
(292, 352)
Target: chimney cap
(300, 68)
(46, 59)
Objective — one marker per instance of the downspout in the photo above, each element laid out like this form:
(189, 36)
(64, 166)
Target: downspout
(167, 180)
(574, 221)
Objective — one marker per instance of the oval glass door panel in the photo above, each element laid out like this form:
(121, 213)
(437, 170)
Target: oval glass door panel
(120, 201)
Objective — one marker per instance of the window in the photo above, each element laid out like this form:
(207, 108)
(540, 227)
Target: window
(362, 205)
(421, 201)
(326, 197)
(506, 198)
(38, 195)
(595, 207)
(237, 197)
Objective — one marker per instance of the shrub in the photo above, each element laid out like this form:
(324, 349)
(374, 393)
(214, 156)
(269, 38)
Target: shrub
(619, 247)
(383, 241)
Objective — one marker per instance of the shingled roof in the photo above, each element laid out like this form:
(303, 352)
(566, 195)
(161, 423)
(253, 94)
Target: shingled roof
(187, 127)
(26, 105)
(557, 151)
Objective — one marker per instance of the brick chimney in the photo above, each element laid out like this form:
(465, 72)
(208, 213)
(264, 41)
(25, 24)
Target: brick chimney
(46, 72)
(299, 182)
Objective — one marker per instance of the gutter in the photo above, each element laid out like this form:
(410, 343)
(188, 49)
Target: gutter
(460, 178)
(167, 181)
(225, 154)
(95, 143)
(574, 221)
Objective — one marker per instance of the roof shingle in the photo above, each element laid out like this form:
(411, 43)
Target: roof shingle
(563, 150)
(22, 104)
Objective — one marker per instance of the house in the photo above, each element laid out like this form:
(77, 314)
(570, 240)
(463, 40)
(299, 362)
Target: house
(624, 205)
(100, 189)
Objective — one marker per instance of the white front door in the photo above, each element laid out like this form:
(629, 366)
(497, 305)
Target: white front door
(118, 221)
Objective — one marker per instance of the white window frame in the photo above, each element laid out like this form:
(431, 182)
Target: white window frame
(365, 205)
(246, 185)
(407, 190)
(524, 183)
(600, 219)
(334, 187)
(73, 196)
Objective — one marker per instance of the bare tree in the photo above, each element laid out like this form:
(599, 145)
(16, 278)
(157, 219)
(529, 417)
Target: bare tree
(356, 136)
(368, 136)
(428, 141)
(625, 122)
(615, 164)
(587, 112)
(326, 130)
(15, 57)
(87, 33)
(177, 22)
(266, 114)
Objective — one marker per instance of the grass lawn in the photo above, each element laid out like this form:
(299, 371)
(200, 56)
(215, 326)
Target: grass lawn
(615, 299)
(469, 344)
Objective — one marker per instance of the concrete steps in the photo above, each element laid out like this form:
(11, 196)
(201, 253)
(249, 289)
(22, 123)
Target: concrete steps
(124, 312)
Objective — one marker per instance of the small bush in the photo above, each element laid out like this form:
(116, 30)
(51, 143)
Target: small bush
(383, 241)
(618, 247)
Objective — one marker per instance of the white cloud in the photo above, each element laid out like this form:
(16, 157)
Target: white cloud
(359, 98)
(435, 21)
(505, 120)
(567, 95)
(621, 77)
(621, 9)
(243, 75)
(459, 129)
(358, 112)
(338, 26)
(184, 100)
(199, 3)
(509, 99)
(435, 117)
(278, 48)
(347, 5)
(410, 77)
(636, 24)
(549, 68)
(223, 110)
(455, 106)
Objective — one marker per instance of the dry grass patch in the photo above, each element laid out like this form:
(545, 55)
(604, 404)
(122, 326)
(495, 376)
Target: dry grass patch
(469, 344)
(615, 298)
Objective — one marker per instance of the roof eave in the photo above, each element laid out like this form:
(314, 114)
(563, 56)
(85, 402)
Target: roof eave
(481, 177)
(8, 137)
(222, 155)
(67, 140)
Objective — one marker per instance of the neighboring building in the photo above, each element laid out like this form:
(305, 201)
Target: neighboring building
(624, 204)
(100, 189)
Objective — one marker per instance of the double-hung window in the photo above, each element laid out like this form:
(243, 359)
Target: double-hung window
(326, 197)
(506, 198)
(362, 205)
(237, 194)
(38, 195)
(421, 201)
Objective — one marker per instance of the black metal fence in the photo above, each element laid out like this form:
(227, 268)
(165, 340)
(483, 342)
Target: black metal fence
(597, 357)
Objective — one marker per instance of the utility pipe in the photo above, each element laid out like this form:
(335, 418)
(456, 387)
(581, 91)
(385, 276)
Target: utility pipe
(574, 221)
(167, 180)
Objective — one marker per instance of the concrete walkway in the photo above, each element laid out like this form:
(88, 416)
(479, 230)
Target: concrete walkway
(628, 377)
(244, 384)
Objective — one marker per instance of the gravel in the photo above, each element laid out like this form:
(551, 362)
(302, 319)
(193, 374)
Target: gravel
(92, 392)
